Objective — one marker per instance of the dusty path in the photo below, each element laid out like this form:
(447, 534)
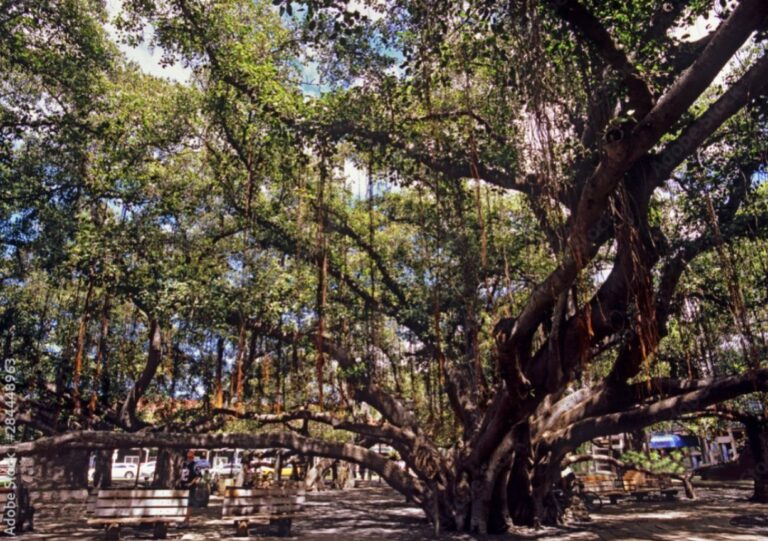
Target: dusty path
(720, 514)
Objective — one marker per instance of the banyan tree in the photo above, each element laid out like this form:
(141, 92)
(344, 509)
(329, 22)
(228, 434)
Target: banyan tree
(468, 231)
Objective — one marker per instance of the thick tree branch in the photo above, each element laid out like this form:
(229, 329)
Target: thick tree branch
(737, 96)
(663, 19)
(717, 390)
(587, 25)
(379, 431)
(92, 440)
(451, 168)
(730, 35)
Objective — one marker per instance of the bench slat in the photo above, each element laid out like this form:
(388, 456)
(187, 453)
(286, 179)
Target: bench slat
(241, 511)
(258, 504)
(257, 492)
(276, 505)
(142, 512)
(265, 506)
(143, 494)
(259, 517)
(128, 520)
(134, 502)
(263, 500)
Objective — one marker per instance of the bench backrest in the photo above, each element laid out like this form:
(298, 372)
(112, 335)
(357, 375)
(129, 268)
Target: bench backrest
(240, 502)
(634, 480)
(161, 503)
(600, 483)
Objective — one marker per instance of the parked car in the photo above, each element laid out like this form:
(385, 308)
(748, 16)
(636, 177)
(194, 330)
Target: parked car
(225, 470)
(124, 470)
(148, 470)
(127, 470)
(265, 471)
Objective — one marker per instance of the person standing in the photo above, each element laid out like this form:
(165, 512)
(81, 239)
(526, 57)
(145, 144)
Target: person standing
(190, 477)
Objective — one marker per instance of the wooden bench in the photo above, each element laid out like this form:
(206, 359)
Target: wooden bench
(641, 485)
(603, 485)
(115, 508)
(275, 505)
(665, 488)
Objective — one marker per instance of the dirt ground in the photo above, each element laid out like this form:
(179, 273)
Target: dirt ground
(721, 513)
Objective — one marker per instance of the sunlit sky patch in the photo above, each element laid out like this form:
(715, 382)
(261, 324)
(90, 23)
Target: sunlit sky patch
(147, 57)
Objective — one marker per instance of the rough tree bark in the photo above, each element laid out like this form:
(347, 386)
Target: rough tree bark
(102, 475)
(757, 436)
(168, 468)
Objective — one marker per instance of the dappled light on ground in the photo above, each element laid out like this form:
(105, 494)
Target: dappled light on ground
(720, 513)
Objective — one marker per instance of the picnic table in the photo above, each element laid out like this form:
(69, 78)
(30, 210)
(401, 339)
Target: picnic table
(604, 485)
(641, 485)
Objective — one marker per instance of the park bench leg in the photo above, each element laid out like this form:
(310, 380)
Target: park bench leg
(112, 532)
(241, 528)
(161, 530)
(614, 499)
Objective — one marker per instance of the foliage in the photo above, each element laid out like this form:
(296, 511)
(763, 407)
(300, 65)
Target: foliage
(470, 212)
(654, 461)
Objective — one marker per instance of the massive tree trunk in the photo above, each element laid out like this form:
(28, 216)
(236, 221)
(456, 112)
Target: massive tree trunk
(102, 475)
(757, 436)
(168, 468)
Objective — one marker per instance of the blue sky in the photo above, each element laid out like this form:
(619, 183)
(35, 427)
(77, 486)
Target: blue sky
(148, 58)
